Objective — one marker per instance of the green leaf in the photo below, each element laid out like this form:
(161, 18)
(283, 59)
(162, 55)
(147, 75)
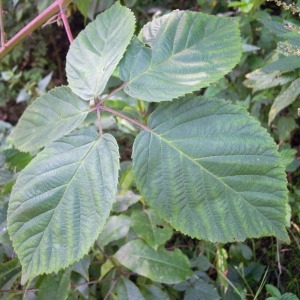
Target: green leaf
(97, 50)
(127, 290)
(199, 290)
(285, 99)
(55, 286)
(152, 229)
(283, 64)
(82, 267)
(161, 265)
(9, 271)
(48, 118)
(61, 201)
(212, 171)
(259, 80)
(152, 292)
(116, 228)
(178, 53)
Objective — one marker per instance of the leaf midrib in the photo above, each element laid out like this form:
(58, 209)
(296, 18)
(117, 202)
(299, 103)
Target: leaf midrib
(205, 170)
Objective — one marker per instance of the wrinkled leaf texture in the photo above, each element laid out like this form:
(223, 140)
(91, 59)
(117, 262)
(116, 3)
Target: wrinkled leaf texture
(97, 50)
(48, 118)
(61, 201)
(212, 171)
(178, 53)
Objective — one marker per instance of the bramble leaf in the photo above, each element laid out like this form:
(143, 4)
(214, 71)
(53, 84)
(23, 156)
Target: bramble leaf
(178, 53)
(61, 201)
(48, 118)
(97, 50)
(212, 171)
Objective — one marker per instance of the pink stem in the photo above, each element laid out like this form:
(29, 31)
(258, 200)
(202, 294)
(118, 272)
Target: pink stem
(66, 24)
(2, 40)
(34, 24)
(117, 113)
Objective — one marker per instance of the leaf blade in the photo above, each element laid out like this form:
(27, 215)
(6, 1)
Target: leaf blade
(89, 63)
(186, 52)
(60, 201)
(160, 265)
(195, 170)
(48, 118)
(284, 99)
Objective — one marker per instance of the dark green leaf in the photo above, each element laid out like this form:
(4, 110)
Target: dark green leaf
(55, 286)
(212, 171)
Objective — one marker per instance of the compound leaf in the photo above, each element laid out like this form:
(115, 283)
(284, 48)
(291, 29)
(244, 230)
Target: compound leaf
(212, 171)
(48, 118)
(97, 50)
(159, 265)
(178, 53)
(61, 201)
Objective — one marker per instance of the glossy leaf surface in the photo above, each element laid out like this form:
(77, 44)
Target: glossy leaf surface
(48, 118)
(212, 171)
(178, 53)
(61, 201)
(162, 266)
(97, 50)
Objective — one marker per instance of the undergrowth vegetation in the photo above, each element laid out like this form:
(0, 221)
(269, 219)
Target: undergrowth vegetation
(156, 156)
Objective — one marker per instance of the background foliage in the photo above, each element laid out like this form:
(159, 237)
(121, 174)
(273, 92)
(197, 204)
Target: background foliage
(266, 82)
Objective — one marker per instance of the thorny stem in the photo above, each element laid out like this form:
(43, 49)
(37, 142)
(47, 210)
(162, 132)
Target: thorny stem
(2, 40)
(117, 113)
(113, 92)
(34, 24)
(65, 22)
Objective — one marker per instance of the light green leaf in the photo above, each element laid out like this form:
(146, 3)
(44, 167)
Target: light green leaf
(97, 50)
(127, 290)
(116, 228)
(61, 201)
(178, 53)
(152, 229)
(285, 99)
(161, 265)
(212, 171)
(55, 286)
(259, 80)
(48, 118)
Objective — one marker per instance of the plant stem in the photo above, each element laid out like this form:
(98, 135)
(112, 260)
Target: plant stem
(113, 92)
(65, 22)
(117, 113)
(2, 40)
(34, 24)
(99, 117)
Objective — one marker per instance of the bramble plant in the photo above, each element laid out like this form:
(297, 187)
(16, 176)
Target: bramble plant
(203, 164)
